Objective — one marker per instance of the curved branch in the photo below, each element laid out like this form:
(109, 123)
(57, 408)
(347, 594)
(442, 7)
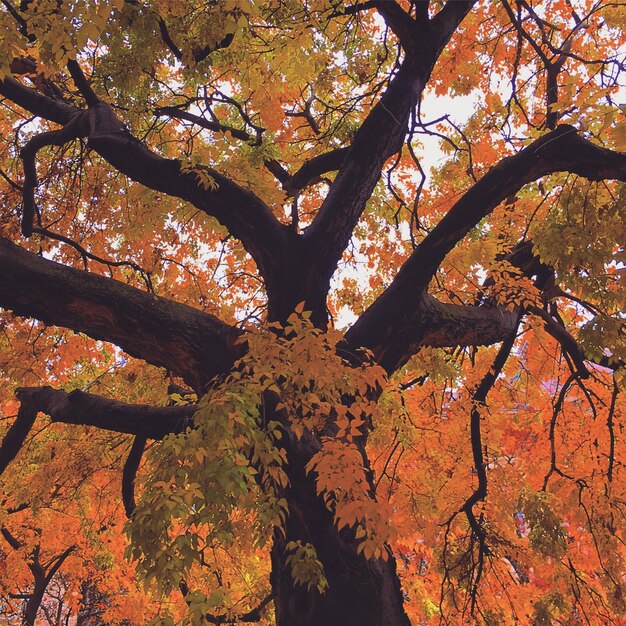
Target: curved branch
(16, 435)
(193, 345)
(74, 129)
(397, 315)
(198, 55)
(567, 342)
(130, 472)
(312, 170)
(479, 399)
(243, 213)
(85, 254)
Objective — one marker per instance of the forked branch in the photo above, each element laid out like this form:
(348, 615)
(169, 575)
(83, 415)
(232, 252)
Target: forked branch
(396, 316)
(382, 132)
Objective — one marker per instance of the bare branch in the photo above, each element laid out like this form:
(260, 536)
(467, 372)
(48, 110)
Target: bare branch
(181, 114)
(85, 409)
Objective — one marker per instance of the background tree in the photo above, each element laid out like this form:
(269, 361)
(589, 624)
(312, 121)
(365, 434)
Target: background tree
(352, 388)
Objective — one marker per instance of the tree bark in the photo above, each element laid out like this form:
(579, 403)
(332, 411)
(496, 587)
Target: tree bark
(360, 592)
(190, 343)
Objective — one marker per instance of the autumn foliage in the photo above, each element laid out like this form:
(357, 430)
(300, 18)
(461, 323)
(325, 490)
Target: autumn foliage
(312, 312)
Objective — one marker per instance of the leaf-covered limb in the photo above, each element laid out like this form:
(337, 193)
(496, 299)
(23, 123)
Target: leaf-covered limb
(86, 409)
(193, 345)
(10, 538)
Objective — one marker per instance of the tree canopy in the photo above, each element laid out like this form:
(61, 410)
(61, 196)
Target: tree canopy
(312, 312)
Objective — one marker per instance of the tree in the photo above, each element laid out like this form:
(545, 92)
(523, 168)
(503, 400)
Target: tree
(353, 385)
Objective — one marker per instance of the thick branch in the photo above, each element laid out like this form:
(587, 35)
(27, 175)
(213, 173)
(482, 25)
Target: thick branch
(383, 131)
(245, 215)
(394, 333)
(190, 343)
(561, 150)
(450, 16)
(87, 409)
(400, 22)
(396, 317)
(38, 104)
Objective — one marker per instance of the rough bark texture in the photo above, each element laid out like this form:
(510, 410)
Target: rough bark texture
(190, 343)
(79, 407)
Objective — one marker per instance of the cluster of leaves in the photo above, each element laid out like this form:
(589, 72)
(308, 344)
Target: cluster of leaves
(223, 477)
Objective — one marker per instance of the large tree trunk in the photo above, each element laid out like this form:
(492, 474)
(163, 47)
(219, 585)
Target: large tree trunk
(360, 592)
